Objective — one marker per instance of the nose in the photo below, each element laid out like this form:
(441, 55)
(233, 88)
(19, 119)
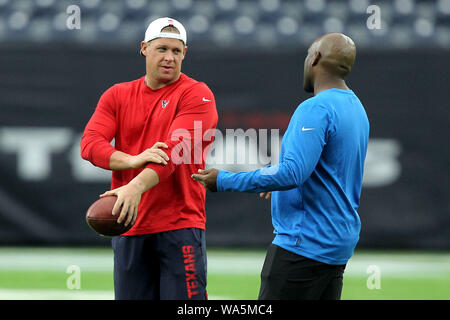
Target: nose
(169, 56)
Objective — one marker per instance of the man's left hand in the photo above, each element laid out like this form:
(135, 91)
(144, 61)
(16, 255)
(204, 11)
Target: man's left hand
(208, 178)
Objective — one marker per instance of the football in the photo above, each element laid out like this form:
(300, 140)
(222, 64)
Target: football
(100, 219)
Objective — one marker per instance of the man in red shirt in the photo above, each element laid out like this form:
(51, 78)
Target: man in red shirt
(158, 122)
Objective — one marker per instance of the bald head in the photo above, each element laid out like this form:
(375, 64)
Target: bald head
(337, 52)
(333, 54)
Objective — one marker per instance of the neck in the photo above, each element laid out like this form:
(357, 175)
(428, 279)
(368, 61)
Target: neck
(155, 84)
(324, 82)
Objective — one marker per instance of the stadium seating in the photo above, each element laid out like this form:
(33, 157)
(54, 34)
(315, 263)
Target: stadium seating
(237, 23)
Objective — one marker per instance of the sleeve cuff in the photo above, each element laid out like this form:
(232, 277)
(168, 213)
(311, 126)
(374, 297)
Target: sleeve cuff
(219, 180)
(103, 158)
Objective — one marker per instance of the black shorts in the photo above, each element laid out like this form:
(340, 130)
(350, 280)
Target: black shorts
(289, 276)
(168, 265)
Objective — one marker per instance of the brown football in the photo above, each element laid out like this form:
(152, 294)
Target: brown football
(99, 217)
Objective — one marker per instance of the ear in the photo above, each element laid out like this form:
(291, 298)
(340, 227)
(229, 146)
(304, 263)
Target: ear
(143, 46)
(316, 58)
(184, 51)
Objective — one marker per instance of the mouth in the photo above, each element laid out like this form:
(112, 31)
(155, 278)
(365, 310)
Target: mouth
(167, 68)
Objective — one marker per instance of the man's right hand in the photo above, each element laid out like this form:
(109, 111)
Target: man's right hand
(153, 154)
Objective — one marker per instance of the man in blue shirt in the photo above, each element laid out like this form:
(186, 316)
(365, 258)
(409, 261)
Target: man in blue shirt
(316, 184)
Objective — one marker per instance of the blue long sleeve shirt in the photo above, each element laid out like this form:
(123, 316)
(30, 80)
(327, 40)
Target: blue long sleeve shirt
(317, 182)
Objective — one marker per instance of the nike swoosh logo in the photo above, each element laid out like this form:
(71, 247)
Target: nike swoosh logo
(206, 100)
(307, 129)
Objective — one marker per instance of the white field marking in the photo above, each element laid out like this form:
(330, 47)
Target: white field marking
(36, 261)
(60, 294)
(55, 259)
(218, 264)
(401, 265)
(222, 262)
(54, 294)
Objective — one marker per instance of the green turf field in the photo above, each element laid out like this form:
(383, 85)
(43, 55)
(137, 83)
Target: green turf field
(46, 273)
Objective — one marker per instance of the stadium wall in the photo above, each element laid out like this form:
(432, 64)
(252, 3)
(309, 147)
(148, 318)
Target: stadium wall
(47, 94)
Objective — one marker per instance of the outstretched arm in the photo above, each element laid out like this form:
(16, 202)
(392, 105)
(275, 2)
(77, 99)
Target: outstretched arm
(302, 147)
(261, 180)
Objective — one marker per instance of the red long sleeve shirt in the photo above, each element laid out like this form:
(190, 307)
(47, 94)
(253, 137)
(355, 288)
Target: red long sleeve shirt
(137, 117)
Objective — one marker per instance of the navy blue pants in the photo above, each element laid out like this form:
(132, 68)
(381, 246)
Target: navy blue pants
(168, 265)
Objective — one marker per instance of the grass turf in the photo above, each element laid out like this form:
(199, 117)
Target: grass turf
(239, 281)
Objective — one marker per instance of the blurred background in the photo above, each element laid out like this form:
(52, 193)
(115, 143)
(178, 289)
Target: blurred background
(58, 57)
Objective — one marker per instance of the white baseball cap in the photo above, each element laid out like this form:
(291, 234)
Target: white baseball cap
(154, 30)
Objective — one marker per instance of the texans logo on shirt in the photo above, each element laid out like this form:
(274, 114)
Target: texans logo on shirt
(164, 103)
